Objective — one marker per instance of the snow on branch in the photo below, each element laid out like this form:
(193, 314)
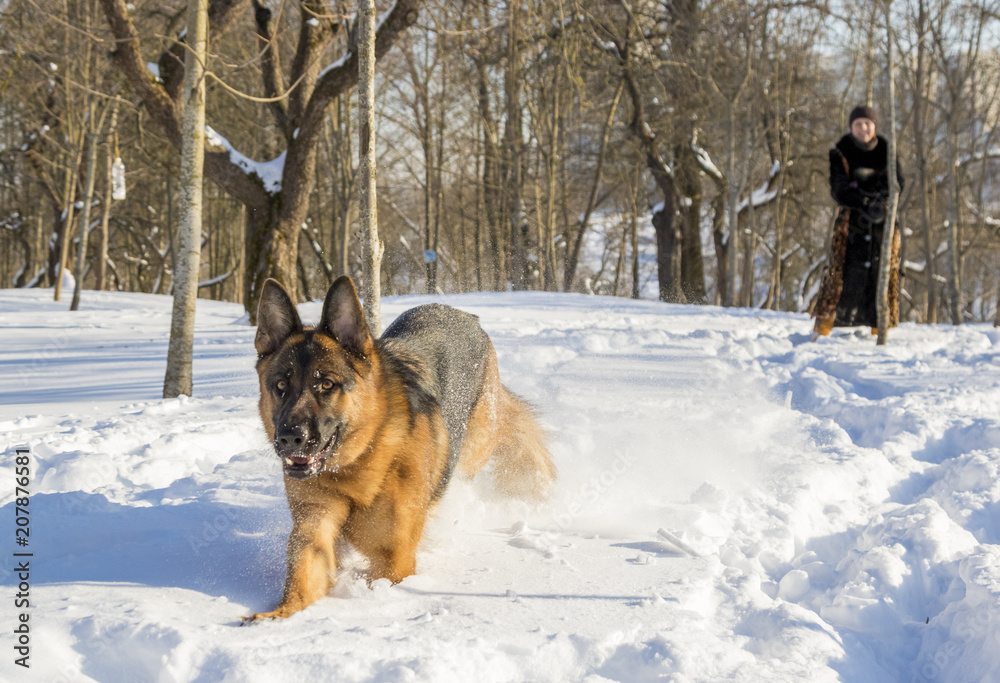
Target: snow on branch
(337, 64)
(763, 195)
(919, 268)
(155, 70)
(705, 162)
(12, 222)
(269, 172)
(218, 279)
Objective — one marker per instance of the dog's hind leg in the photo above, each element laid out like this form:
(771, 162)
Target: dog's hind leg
(503, 429)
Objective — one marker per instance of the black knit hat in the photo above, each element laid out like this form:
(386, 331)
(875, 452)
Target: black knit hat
(862, 112)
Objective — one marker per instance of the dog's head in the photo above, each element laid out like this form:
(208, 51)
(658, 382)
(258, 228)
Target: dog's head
(313, 381)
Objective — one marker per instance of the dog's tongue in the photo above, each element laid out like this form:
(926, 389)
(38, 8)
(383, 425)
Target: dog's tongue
(299, 460)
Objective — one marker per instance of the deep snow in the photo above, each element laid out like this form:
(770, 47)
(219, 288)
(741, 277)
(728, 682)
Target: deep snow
(733, 503)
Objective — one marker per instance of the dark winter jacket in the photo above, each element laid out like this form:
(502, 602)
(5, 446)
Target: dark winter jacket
(865, 187)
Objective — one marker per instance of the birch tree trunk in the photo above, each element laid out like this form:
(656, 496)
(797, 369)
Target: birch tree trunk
(882, 302)
(733, 245)
(92, 127)
(75, 150)
(178, 378)
(954, 245)
(101, 258)
(69, 199)
(368, 212)
(88, 198)
(515, 143)
(920, 112)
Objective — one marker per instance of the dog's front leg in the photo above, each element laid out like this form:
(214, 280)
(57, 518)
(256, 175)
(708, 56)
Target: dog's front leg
(312, 562)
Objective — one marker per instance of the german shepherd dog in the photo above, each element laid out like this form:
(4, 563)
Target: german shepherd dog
(369, 432)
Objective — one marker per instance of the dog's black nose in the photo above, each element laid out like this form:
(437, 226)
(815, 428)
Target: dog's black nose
(289, 439)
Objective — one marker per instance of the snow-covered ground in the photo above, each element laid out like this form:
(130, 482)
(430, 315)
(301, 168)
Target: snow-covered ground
(733, 503)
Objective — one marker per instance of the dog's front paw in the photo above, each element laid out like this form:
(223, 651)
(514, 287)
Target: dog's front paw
(280, 613)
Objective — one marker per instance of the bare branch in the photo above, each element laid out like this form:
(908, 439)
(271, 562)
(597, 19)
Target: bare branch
(274, 87)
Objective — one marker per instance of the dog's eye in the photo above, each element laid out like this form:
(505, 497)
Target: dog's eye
(328, 384)
(281, 385)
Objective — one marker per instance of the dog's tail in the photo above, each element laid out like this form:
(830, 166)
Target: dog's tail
(503, 430)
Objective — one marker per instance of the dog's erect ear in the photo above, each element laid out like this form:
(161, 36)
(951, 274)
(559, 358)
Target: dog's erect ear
(343, 318)
(277, 318)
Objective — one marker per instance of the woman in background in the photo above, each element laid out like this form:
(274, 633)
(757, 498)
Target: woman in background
(859, 183)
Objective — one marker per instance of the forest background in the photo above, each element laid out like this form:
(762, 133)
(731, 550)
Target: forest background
(510, 135)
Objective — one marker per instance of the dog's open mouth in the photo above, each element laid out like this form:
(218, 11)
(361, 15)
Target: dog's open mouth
(305, 466)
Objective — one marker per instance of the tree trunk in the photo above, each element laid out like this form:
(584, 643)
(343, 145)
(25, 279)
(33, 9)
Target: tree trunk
(72, 164)
(749, 253)
(66, 218)
(515, 142)
(573, 257)
(634, 235)
(480, 211)
(178, 379)
(920, 111)
(882, 303)
(491, 178)
(737, 183)
(735, 187)
(88, 198)
(689, 187)
(439, 173)
(668, 251)
(996, 316)
(101, 258)
(368, 212)
(668, 237)
(954, 245)
(271, 251)
(869, 43)
(547, 247)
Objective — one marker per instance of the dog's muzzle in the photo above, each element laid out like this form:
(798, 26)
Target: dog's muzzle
(297, 464)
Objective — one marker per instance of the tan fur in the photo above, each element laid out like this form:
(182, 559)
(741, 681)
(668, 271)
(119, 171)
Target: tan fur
(894, 280)
(504, 429)
(832, 285)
